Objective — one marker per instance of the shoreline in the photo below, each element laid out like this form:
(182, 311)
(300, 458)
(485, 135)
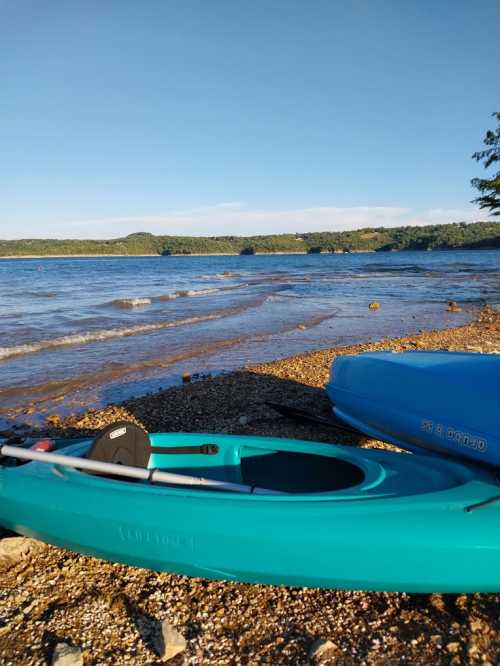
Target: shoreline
(111, 611)
(238, 254)
(191, 254)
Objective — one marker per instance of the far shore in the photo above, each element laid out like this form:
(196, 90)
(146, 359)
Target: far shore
(238, 254)
(166, 256)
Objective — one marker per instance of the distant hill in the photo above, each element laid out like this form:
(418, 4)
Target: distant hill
(478, 235)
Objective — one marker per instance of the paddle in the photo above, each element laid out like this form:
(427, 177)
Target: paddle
(304, 416)
(150, 475)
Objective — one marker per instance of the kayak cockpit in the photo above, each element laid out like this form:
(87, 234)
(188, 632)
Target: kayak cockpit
(284, 471)
(232, 459)
(251, 462)
(297, 472)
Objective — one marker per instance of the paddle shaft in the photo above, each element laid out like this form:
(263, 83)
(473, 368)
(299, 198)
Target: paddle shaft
(151, 475)
(305, 416)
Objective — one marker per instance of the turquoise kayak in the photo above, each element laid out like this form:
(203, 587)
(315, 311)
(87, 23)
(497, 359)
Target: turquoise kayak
(443, 402)
(325, 515)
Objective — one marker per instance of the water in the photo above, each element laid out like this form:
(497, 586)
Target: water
(81, 332)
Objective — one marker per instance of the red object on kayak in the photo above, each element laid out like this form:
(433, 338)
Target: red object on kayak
(45, 444)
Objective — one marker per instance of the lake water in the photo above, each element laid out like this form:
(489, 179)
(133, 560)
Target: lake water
(81, 332)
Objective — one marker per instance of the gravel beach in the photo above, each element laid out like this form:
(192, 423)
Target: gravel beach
(113, 614)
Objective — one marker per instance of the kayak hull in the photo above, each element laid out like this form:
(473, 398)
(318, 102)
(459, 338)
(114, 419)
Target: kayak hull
(373, 536)
(440, 402)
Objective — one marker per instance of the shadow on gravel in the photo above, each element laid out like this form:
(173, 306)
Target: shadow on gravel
(236, 403)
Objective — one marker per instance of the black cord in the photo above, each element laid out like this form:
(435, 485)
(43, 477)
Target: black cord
(479, 505)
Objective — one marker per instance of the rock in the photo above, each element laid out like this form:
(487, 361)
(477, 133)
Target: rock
(453, 648)
(67, 655)
(472, 649)
(53, 420)
(321, 648)
(15, 549)
(186, 377)
(374, 306)
(478, 626)
(172, 641)
(453, 306)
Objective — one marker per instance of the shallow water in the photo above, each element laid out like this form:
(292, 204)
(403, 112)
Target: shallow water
(80, 332)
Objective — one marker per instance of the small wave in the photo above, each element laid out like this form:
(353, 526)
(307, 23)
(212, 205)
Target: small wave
(131, 302)
(185, 293)
(225, 275)
(196, 292)
(42, 294)
(95, 336)
(165, 297)
(107, 334)
(401, 268)
(480, 269)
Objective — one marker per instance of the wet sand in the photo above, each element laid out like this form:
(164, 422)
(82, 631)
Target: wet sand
(113, 612)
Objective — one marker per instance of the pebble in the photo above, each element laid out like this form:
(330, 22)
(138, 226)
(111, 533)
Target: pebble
(67, 655)
(16, 548)
(321, 647)
(453, 647)
(173, 642)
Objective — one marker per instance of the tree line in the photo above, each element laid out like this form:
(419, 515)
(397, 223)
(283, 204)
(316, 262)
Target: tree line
(476, 235)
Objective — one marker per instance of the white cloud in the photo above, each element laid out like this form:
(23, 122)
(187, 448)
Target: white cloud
(445, 216)
(233, 218)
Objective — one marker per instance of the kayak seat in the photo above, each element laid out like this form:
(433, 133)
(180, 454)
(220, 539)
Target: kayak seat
(122, 443)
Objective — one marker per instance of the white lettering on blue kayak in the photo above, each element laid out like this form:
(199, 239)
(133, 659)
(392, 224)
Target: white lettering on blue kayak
(454, 435)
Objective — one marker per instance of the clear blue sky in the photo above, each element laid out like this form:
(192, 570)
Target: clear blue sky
(239, 117)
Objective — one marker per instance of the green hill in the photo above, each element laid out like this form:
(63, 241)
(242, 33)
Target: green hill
(476, 235)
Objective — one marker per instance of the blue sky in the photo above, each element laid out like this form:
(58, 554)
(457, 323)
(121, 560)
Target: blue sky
(215, 117)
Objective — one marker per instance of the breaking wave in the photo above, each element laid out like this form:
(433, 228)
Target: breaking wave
(183, 293)
(107, 334)
(131, 302)
(401, 268)
(196, 292)
(225, 275)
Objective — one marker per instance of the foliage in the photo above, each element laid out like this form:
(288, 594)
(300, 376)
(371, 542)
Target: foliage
(489, 187)
(435, 237)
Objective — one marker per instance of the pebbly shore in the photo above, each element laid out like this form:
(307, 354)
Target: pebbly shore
(109, 613)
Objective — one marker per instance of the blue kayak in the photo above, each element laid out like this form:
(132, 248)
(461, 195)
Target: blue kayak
(326, 515)
(442, 402)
